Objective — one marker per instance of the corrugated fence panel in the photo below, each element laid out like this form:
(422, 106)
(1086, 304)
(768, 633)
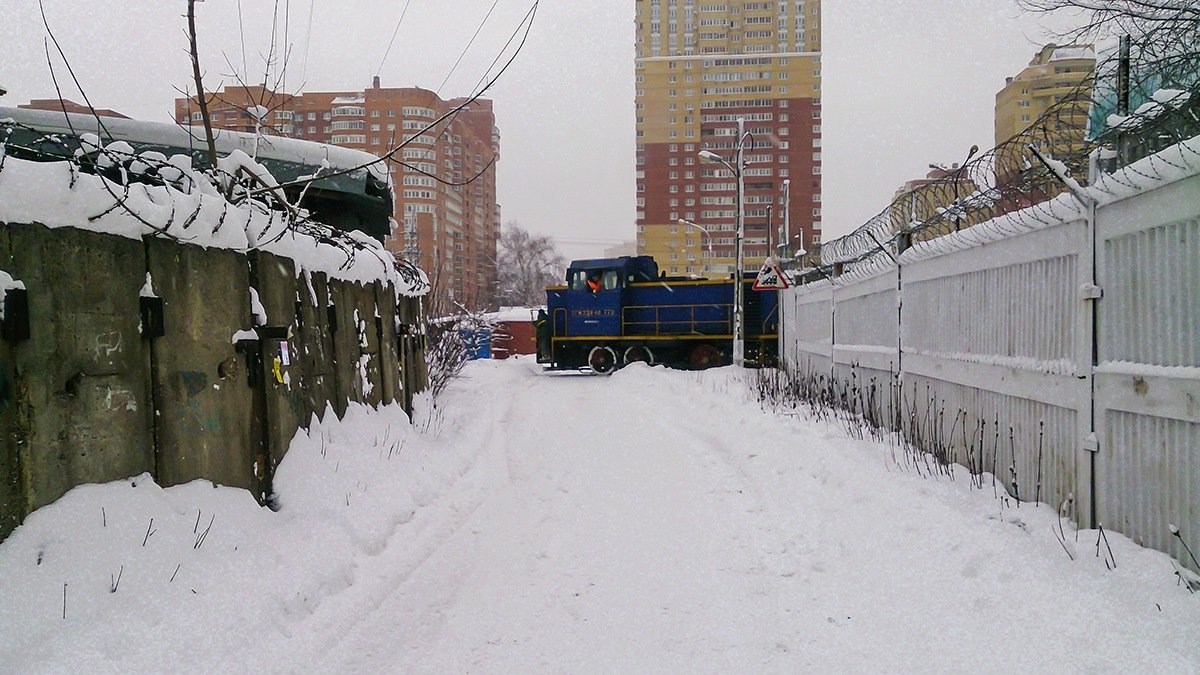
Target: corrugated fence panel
(1012, 302)
(807, 327)
(1005, 331)
(1148, 378)
(1151, 304)
(1153, 480)
(866, 322)
(991, 354)
(1019, 441)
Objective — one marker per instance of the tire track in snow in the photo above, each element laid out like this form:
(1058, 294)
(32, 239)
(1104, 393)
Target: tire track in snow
(433, 525)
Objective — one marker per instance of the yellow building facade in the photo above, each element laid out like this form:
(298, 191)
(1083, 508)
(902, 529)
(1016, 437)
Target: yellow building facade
(1057, 76)
(701, 65)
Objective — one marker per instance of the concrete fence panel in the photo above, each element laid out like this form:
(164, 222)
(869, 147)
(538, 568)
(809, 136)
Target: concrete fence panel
(94, 392)
(203, 380)
(385, 327)
(285, 409)
(314, 344)
(368, 387)
(12, 497)
(81, 379)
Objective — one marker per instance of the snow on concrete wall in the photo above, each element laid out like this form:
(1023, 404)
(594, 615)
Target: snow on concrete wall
(57, 194)
(93, 395)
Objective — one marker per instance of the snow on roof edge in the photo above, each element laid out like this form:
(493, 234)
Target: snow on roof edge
(272, 147)
(42, 193)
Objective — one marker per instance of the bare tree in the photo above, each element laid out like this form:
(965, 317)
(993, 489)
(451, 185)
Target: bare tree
(526, 264)
(201, 96)
(1166, 32)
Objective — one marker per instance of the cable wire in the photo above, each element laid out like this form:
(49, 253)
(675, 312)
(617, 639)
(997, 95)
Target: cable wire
(468, 47)
(393, 40)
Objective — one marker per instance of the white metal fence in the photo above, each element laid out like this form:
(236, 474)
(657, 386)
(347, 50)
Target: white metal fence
(1061, 356)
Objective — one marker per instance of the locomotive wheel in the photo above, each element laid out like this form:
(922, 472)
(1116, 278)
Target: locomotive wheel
(639, 354)
(602, 359)
(704, 356)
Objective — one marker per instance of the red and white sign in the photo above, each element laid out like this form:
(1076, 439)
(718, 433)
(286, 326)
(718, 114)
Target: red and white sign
(770, 277)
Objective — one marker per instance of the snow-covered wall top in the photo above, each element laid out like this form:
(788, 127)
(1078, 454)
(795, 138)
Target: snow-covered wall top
(58, 194)
(1176, 163)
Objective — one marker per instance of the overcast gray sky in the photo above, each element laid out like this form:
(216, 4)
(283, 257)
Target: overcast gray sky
(905, 83)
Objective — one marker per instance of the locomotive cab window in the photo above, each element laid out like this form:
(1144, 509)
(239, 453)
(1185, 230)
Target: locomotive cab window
(595, 280)
(579, 280)
(611, 280)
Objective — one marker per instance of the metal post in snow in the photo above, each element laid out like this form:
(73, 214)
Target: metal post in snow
(739, 293)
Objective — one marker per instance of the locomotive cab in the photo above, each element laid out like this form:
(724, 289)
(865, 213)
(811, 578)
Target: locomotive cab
(612, 312)
(589, 306)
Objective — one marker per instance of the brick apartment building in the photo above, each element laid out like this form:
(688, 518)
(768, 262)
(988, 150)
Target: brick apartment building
(67, 105)
(449, 230)
(700, 65)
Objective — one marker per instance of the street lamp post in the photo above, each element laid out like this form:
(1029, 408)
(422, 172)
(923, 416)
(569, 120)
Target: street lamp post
(704, 233)
(956, 178)
(785, 228)
(739, 292)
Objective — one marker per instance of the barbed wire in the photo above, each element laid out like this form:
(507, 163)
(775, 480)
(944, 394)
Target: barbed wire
(1010, 178)
(121, 168)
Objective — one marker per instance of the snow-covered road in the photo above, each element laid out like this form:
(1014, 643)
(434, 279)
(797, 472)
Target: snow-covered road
(651, 521)
(604, 532)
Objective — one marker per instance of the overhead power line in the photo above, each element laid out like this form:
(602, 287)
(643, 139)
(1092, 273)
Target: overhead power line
(468, 47)
(308, 39)
(393, 40)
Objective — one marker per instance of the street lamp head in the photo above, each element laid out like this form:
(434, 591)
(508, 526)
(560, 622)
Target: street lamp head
(787, 182)
(711, 156)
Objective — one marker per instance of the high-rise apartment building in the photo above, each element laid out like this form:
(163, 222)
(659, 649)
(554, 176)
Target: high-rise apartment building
(1058, 77)
(701, 65)
(446, 211)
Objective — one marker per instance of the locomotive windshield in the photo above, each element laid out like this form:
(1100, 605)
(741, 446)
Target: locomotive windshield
(594, 280)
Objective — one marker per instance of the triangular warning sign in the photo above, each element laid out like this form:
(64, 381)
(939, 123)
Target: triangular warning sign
(770, 277)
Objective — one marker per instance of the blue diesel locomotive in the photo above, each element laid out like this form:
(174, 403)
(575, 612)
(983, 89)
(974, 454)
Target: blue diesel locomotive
(616, 311)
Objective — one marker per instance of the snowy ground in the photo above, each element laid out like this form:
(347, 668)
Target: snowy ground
(651, 521)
